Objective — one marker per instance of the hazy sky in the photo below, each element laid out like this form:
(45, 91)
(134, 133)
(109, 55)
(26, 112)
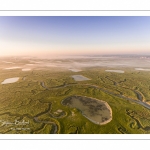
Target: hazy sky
(74, 35)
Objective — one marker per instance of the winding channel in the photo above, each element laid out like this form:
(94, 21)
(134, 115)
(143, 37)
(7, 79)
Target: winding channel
(139, 101)
(138, 94)
(35, 119)
(54, 125)
(147, 128)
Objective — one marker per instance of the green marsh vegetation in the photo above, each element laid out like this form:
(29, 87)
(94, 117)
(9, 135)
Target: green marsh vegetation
(37, 97)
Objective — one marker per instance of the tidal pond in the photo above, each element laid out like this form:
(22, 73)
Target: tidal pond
(8, 62)
(80, 78)
(12, 68)
(141, 69)
(75, 70)
(10, 80)
(26, 69)
(97, 111)
(117, 71)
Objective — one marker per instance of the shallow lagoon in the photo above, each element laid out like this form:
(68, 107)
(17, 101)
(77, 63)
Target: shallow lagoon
(26, 69)
(75, 70)
(118, 71)
(13, 68)
(97, 111)
(10, 80)
(141, 69)
(30, 64)
(8, 62)
(80, 78)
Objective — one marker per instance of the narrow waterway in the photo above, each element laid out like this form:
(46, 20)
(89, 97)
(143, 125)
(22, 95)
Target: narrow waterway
(139, 101)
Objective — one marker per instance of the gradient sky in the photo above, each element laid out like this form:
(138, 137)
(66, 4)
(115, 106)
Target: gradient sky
(72, 35)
